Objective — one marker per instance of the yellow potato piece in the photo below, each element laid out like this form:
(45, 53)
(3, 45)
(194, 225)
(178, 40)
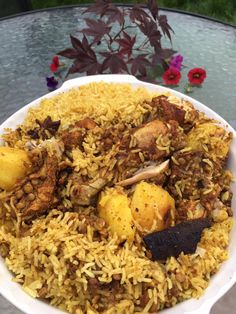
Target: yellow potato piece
(114, 208)
(13, 166)
(152, 208)
(212, 135)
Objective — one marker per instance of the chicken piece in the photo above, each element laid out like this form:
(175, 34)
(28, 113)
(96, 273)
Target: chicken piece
(86, 123)
(153, 138)
(177, 137)
(36, 193)
(168, 111)
(153, 209)
(191, 113)
(45, 192)
(151, 142)
(54, 146)
(190, 209)
(184, 113)
(72, 139)
(85, 193)
(14, 163)
(147, 134)
(141, 145)
(127, 164)
(145, 173)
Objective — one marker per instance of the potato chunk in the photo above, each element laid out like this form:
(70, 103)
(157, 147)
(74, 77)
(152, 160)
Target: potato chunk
(215, 137)
(13, 166)
(114, 208)
(152, 208)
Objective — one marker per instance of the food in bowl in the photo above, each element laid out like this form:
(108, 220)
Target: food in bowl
(115, 200)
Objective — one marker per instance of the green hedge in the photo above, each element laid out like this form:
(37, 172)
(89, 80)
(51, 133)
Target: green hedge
(221, 9)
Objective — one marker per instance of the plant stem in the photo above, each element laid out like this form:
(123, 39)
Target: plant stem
(143, 44)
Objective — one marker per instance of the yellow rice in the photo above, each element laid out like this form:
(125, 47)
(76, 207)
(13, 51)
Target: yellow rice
(56, 257)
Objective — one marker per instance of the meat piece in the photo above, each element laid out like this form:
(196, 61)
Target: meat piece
(183, 237)
(178, 137)
(86, 123)
(93, 285)
(64, 170)
(147, 134)
(85, 193)
(34, 195)
(44, 193)
(184, 113)
(72, 139)
(146, 173)
(54, 146)
(168, 111)
(127, 163)
(152, 141)
(190, 209)
(149, 142)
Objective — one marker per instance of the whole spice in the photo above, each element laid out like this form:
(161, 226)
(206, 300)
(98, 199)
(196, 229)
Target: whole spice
(183, 237)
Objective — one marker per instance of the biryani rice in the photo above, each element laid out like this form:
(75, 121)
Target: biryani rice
(54, 261)
(104, 103)
(46, 256)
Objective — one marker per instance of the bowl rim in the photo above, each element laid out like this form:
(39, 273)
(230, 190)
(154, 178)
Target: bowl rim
(11, 290)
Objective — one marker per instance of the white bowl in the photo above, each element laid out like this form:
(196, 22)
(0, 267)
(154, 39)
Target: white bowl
(219, 284)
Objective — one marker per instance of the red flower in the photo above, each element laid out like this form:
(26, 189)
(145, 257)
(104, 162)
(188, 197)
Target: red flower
(196, 76)
(171, 76)
(55, 64)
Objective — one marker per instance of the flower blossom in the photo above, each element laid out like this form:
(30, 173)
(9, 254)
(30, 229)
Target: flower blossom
(171, 76)
(55, 64)
(176, 62)
(51, 83)
(196, 76)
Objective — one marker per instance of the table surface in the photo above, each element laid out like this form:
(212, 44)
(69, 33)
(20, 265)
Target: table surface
(29, 41)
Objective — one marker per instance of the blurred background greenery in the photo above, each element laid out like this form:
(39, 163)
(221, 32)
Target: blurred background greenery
(224, 10)
(221, 9)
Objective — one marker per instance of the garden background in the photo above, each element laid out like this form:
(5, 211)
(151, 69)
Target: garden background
(224, 10)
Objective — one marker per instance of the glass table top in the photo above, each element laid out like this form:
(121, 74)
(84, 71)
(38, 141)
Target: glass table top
(28, 43)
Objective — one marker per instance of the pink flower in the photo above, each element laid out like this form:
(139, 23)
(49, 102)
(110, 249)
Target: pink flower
(176, 62)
